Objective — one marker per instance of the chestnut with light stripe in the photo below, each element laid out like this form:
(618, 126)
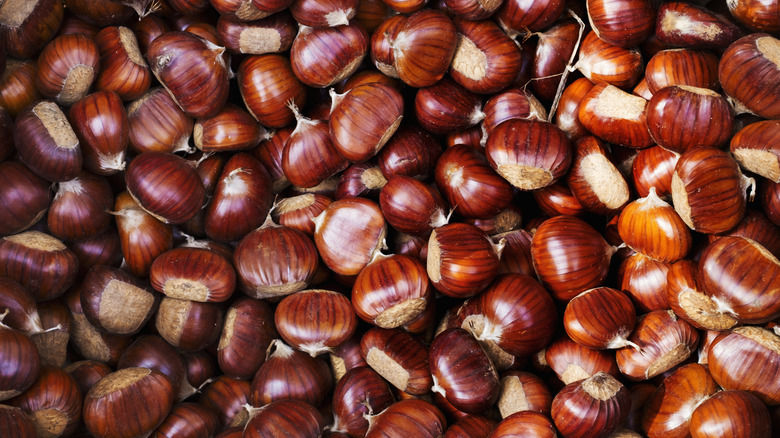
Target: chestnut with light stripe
(660, 341)
(424, 47)
(709, 191)
(569, 256)
(668, 411)
(652, 227)
(290, 374)
(747, 358)
(530, 154)
(600, 318)
(267, 84)
(361, 392)
(466, 180)
(315, 320)
(462, 260)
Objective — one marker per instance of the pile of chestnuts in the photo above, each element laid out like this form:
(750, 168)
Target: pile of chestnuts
(390, 218)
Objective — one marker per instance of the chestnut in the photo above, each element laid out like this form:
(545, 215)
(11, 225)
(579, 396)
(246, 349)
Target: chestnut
(572, 362)
(322, 56)
(290, 374)
(25, 196)
(47, 143)
(399, 358)
(462, 372)
(522, 391)
(530, 154)
(195, 274)
(67, 67)
(228, 398)
(40, 262)
(591, 408)
(412, 417)
(192, 70)
(115, 301)
(731, 413)
(188, 325)
(569, 256)
(128, 402)
(462, 260)
(21, 360)
(349, 233)
(102, 126)
(142, 237)
(315, 320)
(123, 69)
(424, 47)
(166, 186)
(54, 403)
(283, 417)
(156, 123)
(360, 391)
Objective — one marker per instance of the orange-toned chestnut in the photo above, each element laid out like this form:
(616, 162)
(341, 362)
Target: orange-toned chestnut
(486, 60)
(731, 413)
(753, 56)
(391, 291)
(755, 149)
(653, 167)
(101, 124)
(231, 129)
(668, 411)
(600, 318)
(688, 25)
(315, 320)
(363, 120)
(573, 362)
(267, 84)
(525, 423)
(695, 68)
(122, 65)
(689, 301)
(616, 116)
(67, 67)
(27, 26)
(644, 280)
(142, 237)
(156, 123)
(424, 47)
(595, 180)
(465, 178)
(194, 274)
(517, 16)
(321, 57)
(741, 276)
(674, 112)
(602, 62)
(651, 226)
(624, 23)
